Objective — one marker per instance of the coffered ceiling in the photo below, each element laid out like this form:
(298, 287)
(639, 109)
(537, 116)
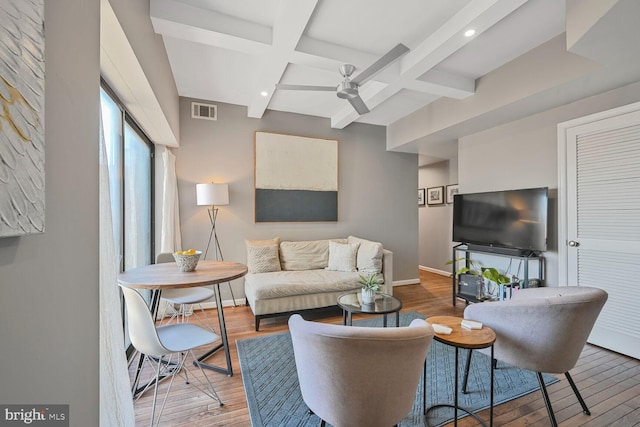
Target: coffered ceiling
(237, 51)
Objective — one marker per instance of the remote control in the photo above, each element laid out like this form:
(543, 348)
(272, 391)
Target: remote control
(442, 329)
(471, 324)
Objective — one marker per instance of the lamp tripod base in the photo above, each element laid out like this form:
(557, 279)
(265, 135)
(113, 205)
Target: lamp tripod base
(213, 215)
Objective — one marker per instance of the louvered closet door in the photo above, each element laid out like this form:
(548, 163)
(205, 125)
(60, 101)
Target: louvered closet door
(603, 224)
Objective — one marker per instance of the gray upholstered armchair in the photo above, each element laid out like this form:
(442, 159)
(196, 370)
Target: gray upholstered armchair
(542, 330)
(356, 376)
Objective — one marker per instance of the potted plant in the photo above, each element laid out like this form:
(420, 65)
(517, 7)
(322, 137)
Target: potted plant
(370, 285)
(476, 269)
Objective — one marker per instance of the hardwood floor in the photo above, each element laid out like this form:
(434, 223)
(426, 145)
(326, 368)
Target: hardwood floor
(609, 382)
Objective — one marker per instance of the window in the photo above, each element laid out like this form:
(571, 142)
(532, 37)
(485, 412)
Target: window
(130, 155)
(130, 163)
(137, 199)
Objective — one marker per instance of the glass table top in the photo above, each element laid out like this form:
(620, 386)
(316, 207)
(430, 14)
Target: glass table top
(352, 302)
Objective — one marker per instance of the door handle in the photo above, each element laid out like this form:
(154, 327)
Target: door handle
(574, 244)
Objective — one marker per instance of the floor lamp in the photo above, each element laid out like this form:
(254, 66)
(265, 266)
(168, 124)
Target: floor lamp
(213, 195)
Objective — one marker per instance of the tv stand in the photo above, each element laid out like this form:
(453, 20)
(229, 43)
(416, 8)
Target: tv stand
(525, 256)
(513, 252)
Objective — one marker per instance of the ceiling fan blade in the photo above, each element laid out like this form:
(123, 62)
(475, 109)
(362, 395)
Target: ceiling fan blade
(380, 64)
(359, 105)
(305, 87)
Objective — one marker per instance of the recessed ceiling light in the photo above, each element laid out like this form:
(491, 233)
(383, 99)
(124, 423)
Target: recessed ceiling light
(469, 33)
(264, 93)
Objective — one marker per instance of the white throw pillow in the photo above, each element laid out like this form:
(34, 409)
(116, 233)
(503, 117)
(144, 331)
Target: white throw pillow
(263, 259)
(342, 256)
(369, 258)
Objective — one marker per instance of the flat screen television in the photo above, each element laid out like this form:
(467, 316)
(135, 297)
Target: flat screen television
(510, 221)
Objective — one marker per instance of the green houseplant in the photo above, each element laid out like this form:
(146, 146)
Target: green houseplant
(370, 285)
(476, 269)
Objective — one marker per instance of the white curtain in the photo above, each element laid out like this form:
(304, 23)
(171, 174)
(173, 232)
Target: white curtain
(116, 403)
(170, 238)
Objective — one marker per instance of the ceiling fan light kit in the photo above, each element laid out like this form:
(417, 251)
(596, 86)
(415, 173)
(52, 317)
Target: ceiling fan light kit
(348, 88)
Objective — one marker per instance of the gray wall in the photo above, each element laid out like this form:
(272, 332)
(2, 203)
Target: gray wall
(436, 220)
(49, 282)
(377, 189)
(523, 154)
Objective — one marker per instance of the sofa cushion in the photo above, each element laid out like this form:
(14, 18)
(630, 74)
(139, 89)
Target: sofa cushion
(304, 255)
(264, 259)
(369, 258)
(342, 256)
(290, 283)
(255, 257)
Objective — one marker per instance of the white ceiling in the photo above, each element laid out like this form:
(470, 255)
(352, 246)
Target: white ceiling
(230, 51)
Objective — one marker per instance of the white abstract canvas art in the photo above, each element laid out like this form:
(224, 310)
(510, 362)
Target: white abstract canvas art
(296, 178)
(22, 176)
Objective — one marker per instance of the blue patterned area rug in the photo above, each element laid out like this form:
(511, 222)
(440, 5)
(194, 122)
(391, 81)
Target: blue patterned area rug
(274, 399)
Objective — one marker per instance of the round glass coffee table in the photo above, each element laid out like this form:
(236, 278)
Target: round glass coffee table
(384, 304)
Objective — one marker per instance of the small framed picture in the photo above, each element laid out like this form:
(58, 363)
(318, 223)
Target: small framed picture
(435, 195)
(452, 190)
(420, 196)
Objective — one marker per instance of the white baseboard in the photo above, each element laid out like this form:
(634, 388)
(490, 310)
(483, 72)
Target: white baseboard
(435, 270)
(225, 303)
(205, 305)
(406, 282)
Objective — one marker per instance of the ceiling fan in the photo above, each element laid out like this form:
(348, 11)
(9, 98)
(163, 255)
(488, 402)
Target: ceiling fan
(348, 88)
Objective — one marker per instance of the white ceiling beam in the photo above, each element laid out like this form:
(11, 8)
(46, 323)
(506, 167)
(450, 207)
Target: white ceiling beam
(182, 21)
(330, 56)
(447, 84)
(478, 14)
(291, 20)
(285, 44)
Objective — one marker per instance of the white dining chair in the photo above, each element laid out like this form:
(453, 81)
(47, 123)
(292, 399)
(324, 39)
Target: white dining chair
(185, 299)
(159, 345)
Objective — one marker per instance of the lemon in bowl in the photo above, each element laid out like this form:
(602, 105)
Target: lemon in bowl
(187, 260)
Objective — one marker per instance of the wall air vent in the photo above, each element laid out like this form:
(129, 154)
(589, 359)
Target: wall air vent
(204, 111)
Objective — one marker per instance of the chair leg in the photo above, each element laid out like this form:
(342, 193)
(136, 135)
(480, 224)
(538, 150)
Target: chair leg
(577, 393)
(205, 321)
(213, 394)
(323, 423)
(547, 402)
(155, 393)
(165, 319)
(186, 372)
(176, 368)
(466, 372)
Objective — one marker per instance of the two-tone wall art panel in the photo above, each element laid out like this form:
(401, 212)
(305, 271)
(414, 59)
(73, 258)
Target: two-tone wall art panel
(296, 178)
(21, 117)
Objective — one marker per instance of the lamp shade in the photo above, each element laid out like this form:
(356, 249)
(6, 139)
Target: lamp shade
(212, 194)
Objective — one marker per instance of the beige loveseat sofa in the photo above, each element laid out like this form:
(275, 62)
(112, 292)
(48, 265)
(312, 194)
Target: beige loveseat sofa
(291, 276)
